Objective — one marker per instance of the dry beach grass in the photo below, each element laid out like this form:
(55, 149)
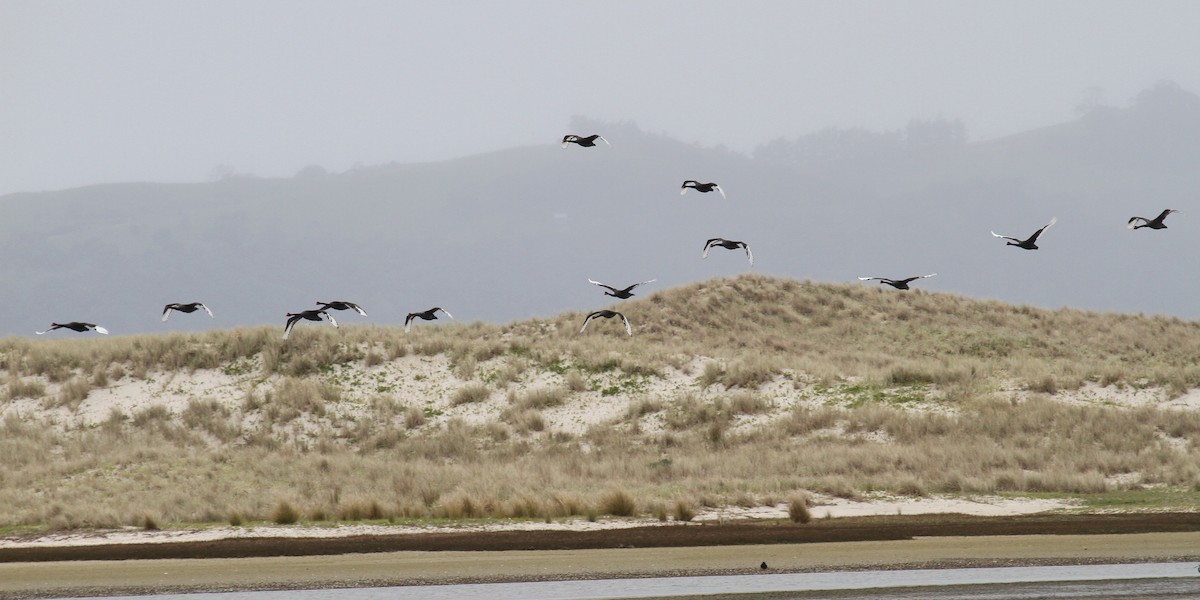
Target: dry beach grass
(746, 391)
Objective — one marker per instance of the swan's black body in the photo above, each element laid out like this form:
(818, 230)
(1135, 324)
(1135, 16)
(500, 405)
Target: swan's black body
(1155, 223)
(190, 307)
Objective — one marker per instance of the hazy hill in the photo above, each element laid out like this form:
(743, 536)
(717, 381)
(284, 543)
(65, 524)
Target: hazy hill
(516, 233)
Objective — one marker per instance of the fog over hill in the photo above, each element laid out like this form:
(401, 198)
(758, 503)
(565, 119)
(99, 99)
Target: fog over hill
(517, 232)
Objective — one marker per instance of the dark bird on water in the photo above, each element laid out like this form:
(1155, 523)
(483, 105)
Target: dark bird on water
(75, 326)
(700, 187)
(427, 316)
(586, 142)
(310, 315)
(619, 293)
(1155, 223)
(728, 245)
(341, 305)
(763, 566)
(607, 314)
(1029, 244)
(900, 284)
(190, 307)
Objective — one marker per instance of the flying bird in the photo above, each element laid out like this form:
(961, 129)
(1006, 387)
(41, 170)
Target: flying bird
(341, 305)
(1155, 223)
(619, 293)
(607, 314)
(311, 315)
(703, 188)
(427, 316)
(1029, 244)
(190, 307)
(900, 284)
(729, 245)
(75, 326)
(586, 142)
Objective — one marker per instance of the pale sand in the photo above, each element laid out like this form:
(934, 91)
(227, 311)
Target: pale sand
(429, 382)
(398, 568)
(826, 506)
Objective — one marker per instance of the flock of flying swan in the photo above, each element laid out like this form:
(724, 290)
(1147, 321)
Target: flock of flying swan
(322, 312)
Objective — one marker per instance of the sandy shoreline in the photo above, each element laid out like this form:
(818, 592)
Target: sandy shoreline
(852, 543)
(102, 578)
(826, 507)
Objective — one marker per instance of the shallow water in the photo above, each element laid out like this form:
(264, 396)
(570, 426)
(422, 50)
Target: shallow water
(1144, 580)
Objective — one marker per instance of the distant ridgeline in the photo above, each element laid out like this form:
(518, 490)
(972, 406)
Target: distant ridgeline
(514, 233)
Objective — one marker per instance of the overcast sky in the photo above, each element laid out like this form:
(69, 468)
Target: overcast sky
(166, 91)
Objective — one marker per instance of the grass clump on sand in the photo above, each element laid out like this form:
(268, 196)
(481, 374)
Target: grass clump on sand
(618, 504)
(798, 509)
(470, 393)
(285, 514)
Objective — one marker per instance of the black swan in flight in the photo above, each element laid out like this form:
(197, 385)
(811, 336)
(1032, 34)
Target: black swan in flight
(190, 307)
(311, 315)
(729, 245)
(1029, 244)
(619, 293)
(607, 314)
(75, 326)
(427, 316)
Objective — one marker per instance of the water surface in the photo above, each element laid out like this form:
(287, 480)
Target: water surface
(1143, 580)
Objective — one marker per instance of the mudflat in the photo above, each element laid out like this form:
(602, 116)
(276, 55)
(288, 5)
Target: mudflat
(693, 550)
